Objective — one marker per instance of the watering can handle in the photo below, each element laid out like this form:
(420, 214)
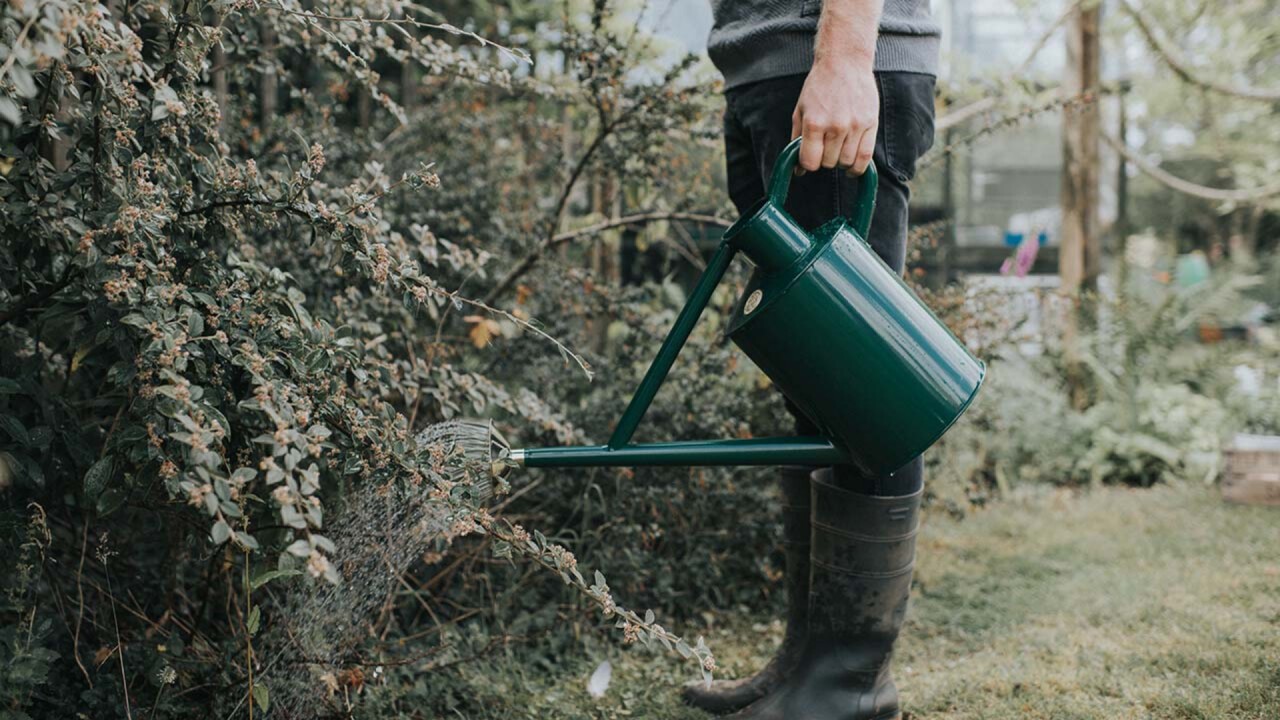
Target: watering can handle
(865, 205)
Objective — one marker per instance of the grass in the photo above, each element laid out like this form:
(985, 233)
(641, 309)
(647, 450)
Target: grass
(1161, 603)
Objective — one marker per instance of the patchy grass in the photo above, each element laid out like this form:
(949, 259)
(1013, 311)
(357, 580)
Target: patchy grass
(1161, 603)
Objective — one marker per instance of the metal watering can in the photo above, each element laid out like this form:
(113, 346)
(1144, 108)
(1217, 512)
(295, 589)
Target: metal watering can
(833, 327)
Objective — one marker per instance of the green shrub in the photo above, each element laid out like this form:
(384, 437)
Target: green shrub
(1159, 404)
(233, 285)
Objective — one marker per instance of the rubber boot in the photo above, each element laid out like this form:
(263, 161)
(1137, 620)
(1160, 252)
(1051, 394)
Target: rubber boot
(860, 579)
(728, 695)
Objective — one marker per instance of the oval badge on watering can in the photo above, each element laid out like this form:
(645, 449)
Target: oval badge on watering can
(842, 335)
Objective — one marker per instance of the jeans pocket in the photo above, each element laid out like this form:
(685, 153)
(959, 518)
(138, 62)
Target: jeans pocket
(906, 120)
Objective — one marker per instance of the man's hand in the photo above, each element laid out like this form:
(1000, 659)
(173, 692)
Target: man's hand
(839, 107)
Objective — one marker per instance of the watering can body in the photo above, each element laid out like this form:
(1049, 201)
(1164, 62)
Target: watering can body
(845, 339)
(834, 328)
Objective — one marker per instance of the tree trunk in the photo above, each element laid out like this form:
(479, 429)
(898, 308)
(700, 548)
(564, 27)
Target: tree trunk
(218, 70)
(1121, 230)
(949, 212)
(409, 86)
(1079, 254)
(268, 83)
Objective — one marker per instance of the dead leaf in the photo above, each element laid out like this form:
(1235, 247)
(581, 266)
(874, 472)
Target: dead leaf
(79, 357)
(330, 682)
(104, 654)
(483, 330)
(352, 678)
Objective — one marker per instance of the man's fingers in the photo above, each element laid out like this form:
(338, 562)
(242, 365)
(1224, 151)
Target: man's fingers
(833, 141)
(866, 147)
(812, 147)
(849, 151)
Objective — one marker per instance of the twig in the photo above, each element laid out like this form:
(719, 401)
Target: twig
(564, 349)
(688, 248)
(638, 219)
(1045, 37)
(1183, 70)
(515, 54)
(977, 107)
(243, 202)
(75, 639)
(532, 258)
(497, 509)
(559, 239)
(248, 634)
(156, 705)
(1011, 119)
(124, 679)
(955, 117)
(22, 35)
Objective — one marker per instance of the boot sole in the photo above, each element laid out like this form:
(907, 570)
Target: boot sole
(724, 702)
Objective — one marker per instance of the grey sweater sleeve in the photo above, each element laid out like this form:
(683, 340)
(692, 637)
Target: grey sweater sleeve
(759, 39)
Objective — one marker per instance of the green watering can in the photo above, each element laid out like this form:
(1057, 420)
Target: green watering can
(835, 329)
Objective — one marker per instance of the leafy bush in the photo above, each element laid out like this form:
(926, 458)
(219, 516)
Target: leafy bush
(1159, 406)
(232, 292)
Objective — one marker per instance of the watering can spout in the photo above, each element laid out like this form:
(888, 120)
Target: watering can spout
(769, 237)
(814, 451)
(833, 327)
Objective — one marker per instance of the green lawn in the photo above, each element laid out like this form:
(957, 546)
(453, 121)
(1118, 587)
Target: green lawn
(1160, 603)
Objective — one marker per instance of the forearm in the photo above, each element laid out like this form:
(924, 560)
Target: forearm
(847, 33)
(839, 107)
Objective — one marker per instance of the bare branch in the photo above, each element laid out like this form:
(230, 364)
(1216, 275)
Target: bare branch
(407, 21)
(22, 35)
(687, 252)
(1164, 177)
(638, 219)
(1010, 119)
(562, 202)
(1184, 70)
(956, 117)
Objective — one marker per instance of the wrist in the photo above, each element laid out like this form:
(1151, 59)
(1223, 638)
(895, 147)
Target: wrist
(846, 57)
(844, 64)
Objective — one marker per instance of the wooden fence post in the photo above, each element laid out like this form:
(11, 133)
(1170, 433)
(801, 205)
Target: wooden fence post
(1080, 249)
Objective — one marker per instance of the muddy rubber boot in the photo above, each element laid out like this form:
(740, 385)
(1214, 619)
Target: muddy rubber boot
(860, 579)
(728, 695)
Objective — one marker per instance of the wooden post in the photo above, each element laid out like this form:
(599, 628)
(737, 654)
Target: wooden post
(218, 70)
(364, 108)
(1122, 175)
(409, 86)
(1080, 249)
(946, 259)
(267, 86)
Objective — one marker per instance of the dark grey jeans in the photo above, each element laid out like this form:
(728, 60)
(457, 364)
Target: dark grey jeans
(757, 125)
